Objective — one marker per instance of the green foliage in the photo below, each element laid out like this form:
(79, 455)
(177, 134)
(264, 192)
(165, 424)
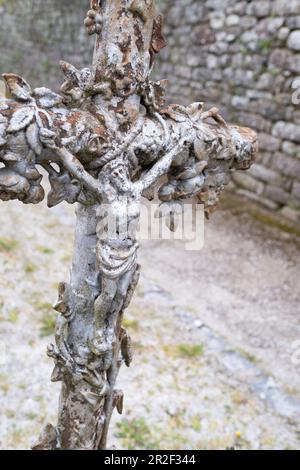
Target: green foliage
(7, 245)
(13, 315)
(186, 351)
(131, 324)
(45, 250)
(136, 434)
(266, 44)
(47, 325)
(30, 267)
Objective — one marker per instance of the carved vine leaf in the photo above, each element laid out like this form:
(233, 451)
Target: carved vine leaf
(33, 138)
(77, 81)
(158, 40)
(3, 127)
(153, 94)
(46, 98)
(21, 119)
(18, 87)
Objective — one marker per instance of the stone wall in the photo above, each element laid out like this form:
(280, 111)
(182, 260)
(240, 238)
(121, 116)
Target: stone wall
(36, 34)
(243, 56)
(239, 55)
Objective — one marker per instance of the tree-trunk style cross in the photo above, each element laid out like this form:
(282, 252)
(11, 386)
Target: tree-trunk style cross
(107, 138)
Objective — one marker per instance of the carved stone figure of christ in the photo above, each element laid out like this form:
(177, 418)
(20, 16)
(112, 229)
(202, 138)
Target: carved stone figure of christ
(107, 140)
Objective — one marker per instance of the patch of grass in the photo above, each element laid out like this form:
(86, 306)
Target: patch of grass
(66, 258)
(45, 250)
(16, 436)
(244, 50)
(51, 225)
(13, 315)
(47, 324)
(44, 306)
(274, 71)
(184, 350)
(136, 434)
(131, 324)
(238, 205)
(238, 398)
(22, 386)
(4, 387)
(274, 222)
(187, 350)
(174, 440)
(218, 443)
(266, 44)
(39, 398)
(8, 245)
(10, 414)
(138, 346)
(247, 355)
(31, 416)
(196, 423)
(30, 267)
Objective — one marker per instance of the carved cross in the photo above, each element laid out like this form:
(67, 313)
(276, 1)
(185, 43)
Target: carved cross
(108, 137)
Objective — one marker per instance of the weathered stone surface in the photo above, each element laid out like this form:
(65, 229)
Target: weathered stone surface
(277, 194)
(291, 7)
(294, 41)
(291, 214)
(287, 131)
(290, 148)
(264, 174)
(252, 77)
(293, 22)
(296, 190)
(259, 8)
(288, 166)
(269, 142)
(249, 183)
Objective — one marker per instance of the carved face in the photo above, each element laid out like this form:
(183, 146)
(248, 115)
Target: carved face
(120, 179)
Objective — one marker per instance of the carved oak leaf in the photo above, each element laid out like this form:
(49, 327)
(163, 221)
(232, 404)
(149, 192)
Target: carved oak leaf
(21, 119)
(18, 87)
(45, 98)
(47, 137)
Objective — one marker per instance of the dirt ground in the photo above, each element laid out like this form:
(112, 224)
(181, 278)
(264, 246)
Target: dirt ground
(214, 333)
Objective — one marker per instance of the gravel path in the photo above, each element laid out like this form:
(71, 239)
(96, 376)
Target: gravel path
(213, 335)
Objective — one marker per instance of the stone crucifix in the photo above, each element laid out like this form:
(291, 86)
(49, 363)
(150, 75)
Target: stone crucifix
(105, 141)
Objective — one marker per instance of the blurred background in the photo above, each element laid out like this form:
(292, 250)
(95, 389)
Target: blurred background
(216, 333)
